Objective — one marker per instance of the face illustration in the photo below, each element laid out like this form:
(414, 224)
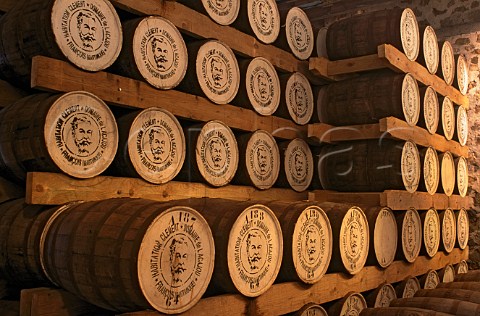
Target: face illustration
(160, 49)
(297, 33)
(300, 103)
(262, 85)
(218, 71)
(178, 256)
(157, 140)
(82, 132)
(254, 250)
(217, 152)
(262, 158)
(431, 230)
(410, 233)
(299, 164)
(354, 238)
(264, 12)
(310, 244)
(87, 26)
(221, 4)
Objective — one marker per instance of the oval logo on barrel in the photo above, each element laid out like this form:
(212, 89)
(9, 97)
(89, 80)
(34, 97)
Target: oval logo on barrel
(410, 100)
(299, 33)
(353, 305)
(385, 296)
(223, 12)
(411, 235)
(264, 19)
(263, 86)
(299, 98)
(462, 228)
(448, 62)
(262, 159)
(431, 110)
(430, 49)
(409, 34)
(448, 229)
(354, 239)
(462, 126)
(411, 288)
(431, 280)
(462, 176)
(431, 173)
(431, 233)
(298, 164)
(410, 166)
(448, 118)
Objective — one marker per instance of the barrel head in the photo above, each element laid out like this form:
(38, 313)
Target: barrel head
(431, 232)
(410, 100)
(462, 229)
(299, 98)
(462, 125)
(431, 110)
(462, 74)
(447, 61)
(298, 165)
(222, 11)
(264, 19)
(385, 237)
(447, 173)
(263, 86)
(299, 33)
(431, 170)
(430, 280)
(410, 166)
(462, 175)
(354, 240)
(431, 52)
(410, 34)
(449, 228)
(411, 235)
(385, 294)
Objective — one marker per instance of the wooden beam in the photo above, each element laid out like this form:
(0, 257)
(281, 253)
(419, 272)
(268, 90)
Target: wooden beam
(59, 76)
(54, 188)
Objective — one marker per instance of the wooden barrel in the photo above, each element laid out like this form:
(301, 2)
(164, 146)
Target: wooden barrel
(447, 173)
(461, 132)
(429, 54)
(470, 276)
(351, 237)
(9, 308)
(448, 118)
(221, 11)
(371, 165)
(400, 311)
(296, 35)
(408, 287)
(461, 170)
(73, 132)
(21, 227)
(449, 228)
(456, 294)
(430, 170)
(463, 229)
(321, 42)
(154, 51)
(473, 285)
(447, 274)
(248, 245)
(431, 232)
(212, 154)
(381, 296)
(212, 72)
(259, 160)
(444, 305)
(359, 35)
(410, 234)
(260, 18)
(163, 254)
(461, 75)
(352, 304)
(259, 86)
(461, 267)
(429, 280)
(368, 98)
(430, 109)
(87, 33)
(296, 170)
(307, 241)
(151, 146)
(384, 236)
(297, 103)
(311, 309)
(447, 62)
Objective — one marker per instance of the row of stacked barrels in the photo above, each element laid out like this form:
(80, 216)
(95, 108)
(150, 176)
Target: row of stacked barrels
(133, 254)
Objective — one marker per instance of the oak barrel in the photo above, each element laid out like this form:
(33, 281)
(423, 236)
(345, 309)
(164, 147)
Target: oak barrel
(87, 33)
(311, 309)
(448, 119)
(259, 86)
(408, 287)
(154, 51)
(401, 311)
(470, 276)
(430, 170)
(296, 170)
(370, 165)
(463, 229)
(447, 274)
(351, 304)
(431, 232)
(9, 308)
(449, 230)
(461, 170)
(457, 294)
(73, 132)
(447, 63)
(368, 98)
(296, 35)
(430, 52)
(461, 131)
(444, 305)
(381, 296)
(447, 173)
(151, 146)
(430, 110)
(164, 254)
(259, 160)
(297, 102)
(410, 234)
(429, 280)
(461, 81)
(360, 35)
(473, 285)
(260, 18)
(461, 267)
(222, 12)
(384, 236)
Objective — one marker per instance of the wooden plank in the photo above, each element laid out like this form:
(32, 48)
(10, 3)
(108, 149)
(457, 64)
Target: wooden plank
(9, 94)
(53, 188)
(357, 64)
(365, 198)
(128, 92)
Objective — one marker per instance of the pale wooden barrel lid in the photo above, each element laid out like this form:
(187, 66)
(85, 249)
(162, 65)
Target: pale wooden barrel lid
(160, 52)
(463, 229)
(432, 280)
(385, 295)
(431, 110)
(447, 62)
(431, 170)
(81, 134)
(217, 72)
(298, 165)
(410, 166)
(263, 86)
(462, 125)
(448, 118)
(431, 52)
(411, 287)
(88, 33)
(411, 235)
(221, 11)
(461, 267)
(410, 100)
(385, 237)
(462, 175)
(216, 153)
(448, 173)
(311, 310)
(462, 74)
(299, 33)
(431, 232)
(447, 274)
(299, 98)
(410, 34)
(354, 240)
(449, 228)
(175, 260)
(156, 145)
(353, 304)
(321, 44)
(254, 271)
(264, 19)
(312, 244)
(262, 159)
